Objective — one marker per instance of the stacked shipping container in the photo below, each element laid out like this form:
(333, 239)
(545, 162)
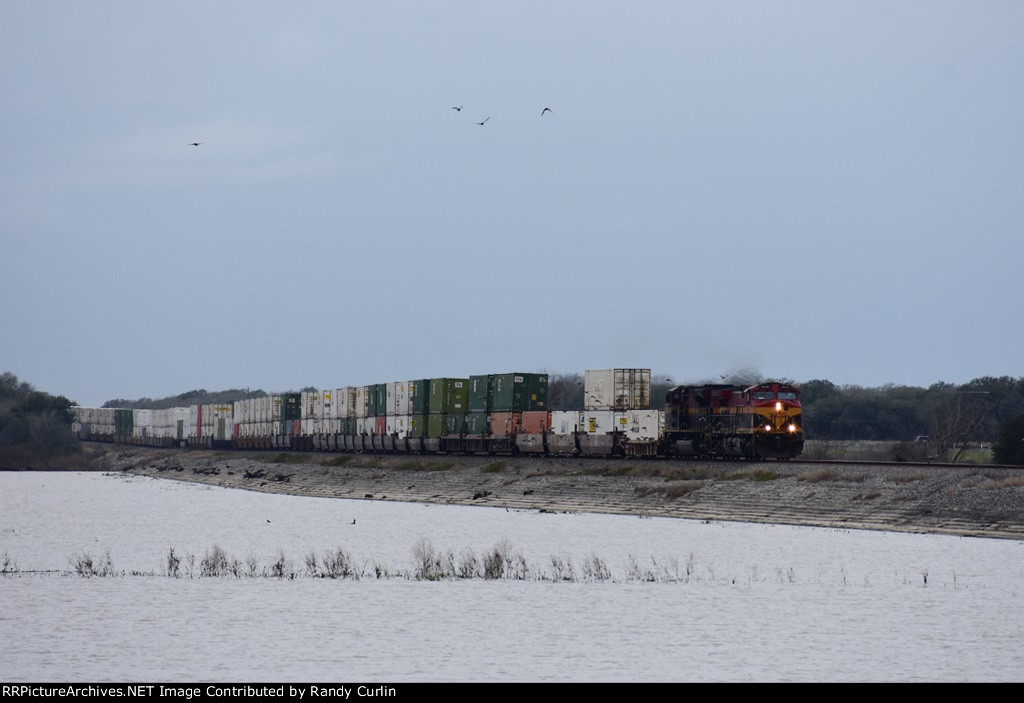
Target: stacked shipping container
(478, 409)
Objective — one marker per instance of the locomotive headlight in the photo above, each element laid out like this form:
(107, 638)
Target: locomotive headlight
(767, 428)
(778, 407)
(792, 427)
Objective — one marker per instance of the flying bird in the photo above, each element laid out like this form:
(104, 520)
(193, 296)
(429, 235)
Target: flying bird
(484, 122)
(547, 109)
(195, 143)
(458, 109)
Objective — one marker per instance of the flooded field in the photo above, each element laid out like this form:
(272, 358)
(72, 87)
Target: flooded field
(580, 598)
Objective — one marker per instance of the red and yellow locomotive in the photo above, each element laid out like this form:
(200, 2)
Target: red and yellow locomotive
(725, 421)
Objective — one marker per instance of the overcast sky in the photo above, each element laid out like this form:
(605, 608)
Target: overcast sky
(809, 189)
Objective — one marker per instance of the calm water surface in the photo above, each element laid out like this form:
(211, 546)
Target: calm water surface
(728, 601)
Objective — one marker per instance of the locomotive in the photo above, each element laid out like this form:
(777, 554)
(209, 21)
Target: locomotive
(762, 421)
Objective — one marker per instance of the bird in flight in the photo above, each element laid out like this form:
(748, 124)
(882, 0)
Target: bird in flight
(195, 143)
(458, 109)
(547, 109)
(484, 122)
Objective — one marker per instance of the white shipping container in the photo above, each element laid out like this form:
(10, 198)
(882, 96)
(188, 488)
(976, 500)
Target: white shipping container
(598, 421)
(617, 389)
(391, 399)
(141, 422)
(565, 422)
(309, 404)
(398, 425)
(340, 405)
(192, 426)
(402, 398)
(641, 424)
(362, 401)
(403, 423)
(323, 405)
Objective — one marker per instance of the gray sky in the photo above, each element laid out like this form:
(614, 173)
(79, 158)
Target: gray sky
(811, 189)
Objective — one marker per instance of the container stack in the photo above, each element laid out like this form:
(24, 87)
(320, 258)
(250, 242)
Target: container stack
(419, 407)
(619, 400)
(142, 423)
(447, 406)
(288, 414)
(397, 417)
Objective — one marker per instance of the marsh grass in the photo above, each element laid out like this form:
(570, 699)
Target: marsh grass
(919, 476)
(493, 467)
(503, 561)
(84, 565)
(818, 476)
(216, 562)
(996, 484)
(754, 475)
(338, 460)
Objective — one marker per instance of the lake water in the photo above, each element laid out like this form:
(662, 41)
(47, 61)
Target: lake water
(639, 599)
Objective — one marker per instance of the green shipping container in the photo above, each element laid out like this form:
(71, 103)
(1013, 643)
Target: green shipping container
(456, 424)
(124, 421)
(418, 426)
(437, 425)
(520, 392)
(478, 423)
(291, 407)
(448, 395)
(378, 400)
(480, 392)
(419, 397)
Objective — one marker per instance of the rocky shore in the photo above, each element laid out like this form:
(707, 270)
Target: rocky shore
(967, 501)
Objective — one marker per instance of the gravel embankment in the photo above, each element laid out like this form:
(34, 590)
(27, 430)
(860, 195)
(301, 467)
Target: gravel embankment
(962, 501)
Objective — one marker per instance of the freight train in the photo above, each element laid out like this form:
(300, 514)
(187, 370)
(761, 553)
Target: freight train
(494, 414)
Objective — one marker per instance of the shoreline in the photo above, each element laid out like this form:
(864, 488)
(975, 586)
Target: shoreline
(967, 501)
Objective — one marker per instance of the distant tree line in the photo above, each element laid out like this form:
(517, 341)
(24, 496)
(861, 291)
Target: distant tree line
(34, 418)
(200, 396)
(948, 414)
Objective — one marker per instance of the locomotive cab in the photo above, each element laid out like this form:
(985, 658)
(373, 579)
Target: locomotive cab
(776, 419)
